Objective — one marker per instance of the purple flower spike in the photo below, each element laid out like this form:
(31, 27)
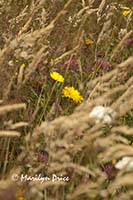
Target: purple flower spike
(73, 64)
(43, 156)
(108, 169)
(105, 65)
(128, 42)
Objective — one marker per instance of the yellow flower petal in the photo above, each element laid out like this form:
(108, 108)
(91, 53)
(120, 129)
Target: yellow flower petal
(130, 143)
(23, 65)
(73, 94)
(126, 12)
(56, 76)
(19, 196)
(88, 41)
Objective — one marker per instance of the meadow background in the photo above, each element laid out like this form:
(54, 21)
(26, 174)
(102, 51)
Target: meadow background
(66, 99)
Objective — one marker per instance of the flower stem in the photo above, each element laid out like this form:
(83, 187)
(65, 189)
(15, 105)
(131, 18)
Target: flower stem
(46, 104)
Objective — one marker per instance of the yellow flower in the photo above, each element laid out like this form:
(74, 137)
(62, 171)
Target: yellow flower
(126, 12)
(88, 41)
(130, 142)
(19, 196)
(56, 76)
(23, 65)
(73, 94)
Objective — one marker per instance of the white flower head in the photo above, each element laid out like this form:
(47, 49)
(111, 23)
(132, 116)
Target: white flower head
(125, 162)
(70, 19)
(102, 114)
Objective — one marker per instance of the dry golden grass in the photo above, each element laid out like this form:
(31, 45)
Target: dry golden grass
(33, 115)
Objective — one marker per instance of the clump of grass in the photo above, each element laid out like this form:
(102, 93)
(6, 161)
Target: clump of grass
(66, 107)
